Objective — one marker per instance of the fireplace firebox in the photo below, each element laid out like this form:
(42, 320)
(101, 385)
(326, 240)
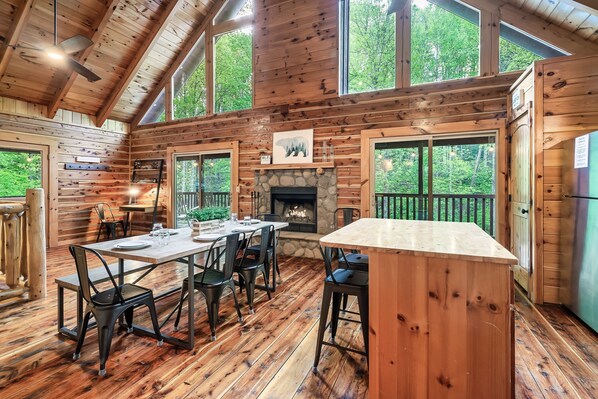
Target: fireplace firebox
(297, 206)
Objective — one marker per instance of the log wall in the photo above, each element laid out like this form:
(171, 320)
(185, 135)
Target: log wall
(338, 121)
(75, 135)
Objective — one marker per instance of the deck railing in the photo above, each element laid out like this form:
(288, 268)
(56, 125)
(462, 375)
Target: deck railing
(476, 208)
(23, 246)
(188, 200)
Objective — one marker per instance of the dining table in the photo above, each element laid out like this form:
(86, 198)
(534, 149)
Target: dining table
(181, 245)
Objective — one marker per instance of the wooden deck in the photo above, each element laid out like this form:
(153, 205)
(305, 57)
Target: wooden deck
(269, 356)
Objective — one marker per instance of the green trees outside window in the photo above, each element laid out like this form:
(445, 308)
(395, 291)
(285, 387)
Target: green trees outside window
(233, 77)
(372, 56)
(19, 170)
(189, 84)
(444, 45)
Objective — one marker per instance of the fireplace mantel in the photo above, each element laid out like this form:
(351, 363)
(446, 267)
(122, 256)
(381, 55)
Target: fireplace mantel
(284, 166)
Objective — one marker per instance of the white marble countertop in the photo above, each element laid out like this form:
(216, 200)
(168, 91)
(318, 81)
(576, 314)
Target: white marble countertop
(454, 240)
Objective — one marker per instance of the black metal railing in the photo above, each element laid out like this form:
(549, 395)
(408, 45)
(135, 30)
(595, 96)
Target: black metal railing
(188, 200)
(476, 208)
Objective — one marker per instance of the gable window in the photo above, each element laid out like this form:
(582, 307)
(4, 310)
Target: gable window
(445, 41)
(517, 50)
(189, 84)
(368, 60)
(233, 71)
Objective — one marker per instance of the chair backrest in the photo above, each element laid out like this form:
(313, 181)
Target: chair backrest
(79, 253)
(101, 209)
(349, 215)
(266, 233)
(327, 256)
(229, 252)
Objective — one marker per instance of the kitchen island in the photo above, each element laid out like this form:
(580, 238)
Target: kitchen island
(441, 316)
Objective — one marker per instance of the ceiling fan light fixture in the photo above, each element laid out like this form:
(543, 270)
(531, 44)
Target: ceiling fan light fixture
(55, 54)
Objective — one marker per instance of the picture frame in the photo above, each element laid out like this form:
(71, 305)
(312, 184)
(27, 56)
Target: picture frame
(293, 147)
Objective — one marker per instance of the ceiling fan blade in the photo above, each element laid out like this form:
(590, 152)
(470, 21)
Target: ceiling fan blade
(75, 44)
(81, 70)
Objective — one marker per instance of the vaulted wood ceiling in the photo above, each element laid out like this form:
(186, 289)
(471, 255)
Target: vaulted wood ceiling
(137, 40)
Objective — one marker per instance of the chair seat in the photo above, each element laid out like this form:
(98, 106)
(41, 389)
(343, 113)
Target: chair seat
(349, 277)
(247, 263)
(212, 277)
(255, 249)
(356, 261)
(128, 291)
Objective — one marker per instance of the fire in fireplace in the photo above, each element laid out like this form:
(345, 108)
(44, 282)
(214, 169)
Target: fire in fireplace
(297, 206)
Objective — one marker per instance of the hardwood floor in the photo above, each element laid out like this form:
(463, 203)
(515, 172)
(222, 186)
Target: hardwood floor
(269, 356)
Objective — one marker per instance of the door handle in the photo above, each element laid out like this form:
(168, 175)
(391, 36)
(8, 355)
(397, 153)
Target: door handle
(524, 211)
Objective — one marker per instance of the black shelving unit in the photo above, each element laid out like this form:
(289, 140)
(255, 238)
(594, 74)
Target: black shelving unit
(149, 171)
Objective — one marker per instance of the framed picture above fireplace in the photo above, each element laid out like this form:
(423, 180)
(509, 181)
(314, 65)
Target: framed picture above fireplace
(293, 147)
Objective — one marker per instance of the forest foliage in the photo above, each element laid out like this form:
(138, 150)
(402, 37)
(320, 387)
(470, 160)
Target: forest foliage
(18, 172)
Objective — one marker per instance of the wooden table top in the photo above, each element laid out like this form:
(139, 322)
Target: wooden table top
(455, 240)
(179, 246)
(147, 208)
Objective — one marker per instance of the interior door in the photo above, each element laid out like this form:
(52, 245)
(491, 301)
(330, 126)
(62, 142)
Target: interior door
(520, 194)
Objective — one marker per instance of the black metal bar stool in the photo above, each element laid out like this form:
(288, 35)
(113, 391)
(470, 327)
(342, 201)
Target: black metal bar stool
(338, 283)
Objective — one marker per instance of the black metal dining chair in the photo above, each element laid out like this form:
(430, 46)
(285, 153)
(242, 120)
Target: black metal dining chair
(337, 283)
(248, 267)
(108, 305)
(107, 220)
(217, 274)
(271, 253)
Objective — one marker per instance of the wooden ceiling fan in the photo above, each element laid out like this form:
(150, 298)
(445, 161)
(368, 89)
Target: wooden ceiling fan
(61, 51)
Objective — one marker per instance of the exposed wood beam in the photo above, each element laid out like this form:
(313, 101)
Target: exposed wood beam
(589, 6)
(135, 64)
(70, 77)
(12, 38)
(178, 61)
(536, 26)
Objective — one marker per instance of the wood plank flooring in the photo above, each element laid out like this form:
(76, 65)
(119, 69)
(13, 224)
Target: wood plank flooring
(269, 356)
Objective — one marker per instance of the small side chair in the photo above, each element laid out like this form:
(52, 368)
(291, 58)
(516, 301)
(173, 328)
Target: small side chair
(107, 220)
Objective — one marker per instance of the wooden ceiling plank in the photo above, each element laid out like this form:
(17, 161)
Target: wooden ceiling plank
(153, 37)
(189, 44)
(589, 6)
(71, 76)
(21, 16)
(538, 27)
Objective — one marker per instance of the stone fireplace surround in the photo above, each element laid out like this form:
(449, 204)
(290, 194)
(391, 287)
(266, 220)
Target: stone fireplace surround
(295, 243)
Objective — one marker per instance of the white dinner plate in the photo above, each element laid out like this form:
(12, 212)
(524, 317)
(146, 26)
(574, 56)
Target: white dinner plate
(170, 231)
(133, 245)
(255, 221)
(207, 237)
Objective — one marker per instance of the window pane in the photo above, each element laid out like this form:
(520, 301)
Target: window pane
(518, 50)
(445, 41)
(234, 9)
(189, 81)
(372, 60)
(19, 170)
(233, 59)
(156, 112)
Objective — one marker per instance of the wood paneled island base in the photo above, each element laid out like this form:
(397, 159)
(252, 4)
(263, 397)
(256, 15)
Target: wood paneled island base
(441, 318)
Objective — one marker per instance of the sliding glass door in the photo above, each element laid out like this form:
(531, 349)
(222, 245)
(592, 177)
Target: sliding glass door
(201, 180)
(448, 178)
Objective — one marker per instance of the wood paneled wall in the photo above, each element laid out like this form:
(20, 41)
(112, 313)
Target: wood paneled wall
(295, 51)
(76, 135)
(338, 121)
(566, 107)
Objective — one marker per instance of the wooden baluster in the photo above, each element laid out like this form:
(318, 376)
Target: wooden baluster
(36, 236)
(12, 248)
(24, 257)
(2, 252)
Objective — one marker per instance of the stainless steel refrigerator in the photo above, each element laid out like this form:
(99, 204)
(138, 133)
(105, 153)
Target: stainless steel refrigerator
(579, 228)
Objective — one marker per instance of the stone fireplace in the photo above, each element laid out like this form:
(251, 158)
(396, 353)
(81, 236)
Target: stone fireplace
(297, 206)
(303, 198)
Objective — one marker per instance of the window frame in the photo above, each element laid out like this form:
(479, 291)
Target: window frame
(488, 51)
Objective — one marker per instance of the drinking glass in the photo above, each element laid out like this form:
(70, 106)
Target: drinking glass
(163, 237)
(233, 218)
(247, 220)
(156, 229)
